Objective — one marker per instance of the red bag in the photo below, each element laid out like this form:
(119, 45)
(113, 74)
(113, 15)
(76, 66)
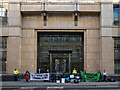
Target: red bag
(26, 77)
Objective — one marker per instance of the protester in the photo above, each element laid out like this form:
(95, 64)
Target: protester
(100, 79)
(85, 76)
(16, 75)
(80, 76)
(104, 76)
(27, 76)
(74, 72)
(39, 70)
(67, 79)
(77, 78)
(47, 71)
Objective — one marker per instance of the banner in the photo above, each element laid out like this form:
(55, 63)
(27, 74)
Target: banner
(90, 76)
(41, 76)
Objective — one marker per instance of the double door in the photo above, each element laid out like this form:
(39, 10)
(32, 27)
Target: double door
(60, 65)
(59, 62)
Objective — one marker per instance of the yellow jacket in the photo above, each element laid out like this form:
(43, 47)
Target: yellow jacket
(74, 71)
(16, 72)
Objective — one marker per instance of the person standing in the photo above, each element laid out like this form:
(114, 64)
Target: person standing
(15, 75)
(100, 78)
(74, 72)
(27, 75)
(39, 70)
(85, 76)
(47, 71)
(104, 76)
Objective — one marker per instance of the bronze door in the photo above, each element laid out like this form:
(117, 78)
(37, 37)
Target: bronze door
(60, 65)
(59, 62)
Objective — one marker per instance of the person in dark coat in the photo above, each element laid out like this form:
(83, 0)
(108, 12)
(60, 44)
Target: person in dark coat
(104, 76)
(27, 76)
(100, 79)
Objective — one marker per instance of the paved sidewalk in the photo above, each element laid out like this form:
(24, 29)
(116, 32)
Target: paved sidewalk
(22, 83)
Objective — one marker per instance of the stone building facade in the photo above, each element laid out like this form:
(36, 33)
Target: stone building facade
(33, 26)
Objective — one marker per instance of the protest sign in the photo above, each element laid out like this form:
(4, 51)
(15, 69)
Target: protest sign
(41, 76)
(90, 76)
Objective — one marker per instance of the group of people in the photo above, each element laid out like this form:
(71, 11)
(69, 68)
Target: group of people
(103, 76)
(16, 75)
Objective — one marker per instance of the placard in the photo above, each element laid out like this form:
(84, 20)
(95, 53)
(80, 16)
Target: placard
(90, 76)
(71, 76)
(41, 76)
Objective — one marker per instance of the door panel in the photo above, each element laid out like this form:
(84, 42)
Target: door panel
(57, 65)
(60, 62)
(60, 66)
(63, 65)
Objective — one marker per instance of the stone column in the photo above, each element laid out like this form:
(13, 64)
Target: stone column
(14, 38)
(106, 40)
(29, 51)
(13, 54)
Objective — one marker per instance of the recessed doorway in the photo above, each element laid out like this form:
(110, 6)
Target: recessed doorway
(60, 51)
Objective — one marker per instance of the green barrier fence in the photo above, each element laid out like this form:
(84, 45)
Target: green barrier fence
(90, 76)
